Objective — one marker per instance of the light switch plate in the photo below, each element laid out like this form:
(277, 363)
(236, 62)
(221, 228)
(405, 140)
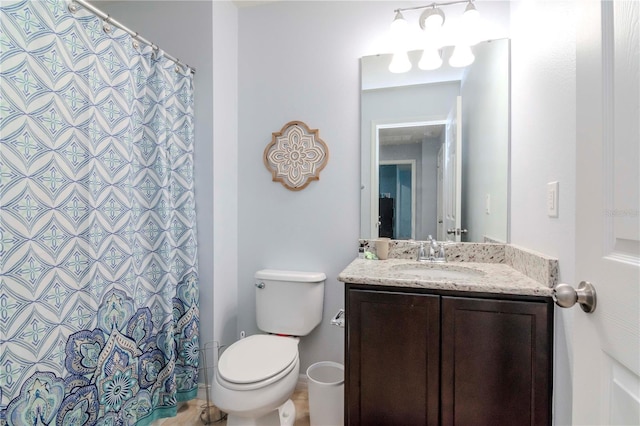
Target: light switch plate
(552, 199)
(487, 203)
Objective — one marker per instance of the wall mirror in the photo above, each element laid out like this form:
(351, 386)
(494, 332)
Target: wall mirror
(435, 148)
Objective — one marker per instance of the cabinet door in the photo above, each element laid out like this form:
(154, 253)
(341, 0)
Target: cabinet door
(496, 362)
(392, 363)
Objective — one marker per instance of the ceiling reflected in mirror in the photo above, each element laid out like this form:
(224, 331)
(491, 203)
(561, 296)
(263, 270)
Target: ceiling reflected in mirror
(409, 134)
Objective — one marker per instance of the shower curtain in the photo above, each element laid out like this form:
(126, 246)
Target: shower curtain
(99, 280)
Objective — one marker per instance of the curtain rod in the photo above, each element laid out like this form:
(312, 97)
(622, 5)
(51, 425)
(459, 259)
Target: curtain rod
(109, 20)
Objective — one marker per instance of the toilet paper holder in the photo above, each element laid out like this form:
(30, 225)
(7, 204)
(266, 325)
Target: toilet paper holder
(338, 319)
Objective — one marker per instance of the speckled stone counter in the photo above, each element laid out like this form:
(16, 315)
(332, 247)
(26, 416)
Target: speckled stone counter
(495, 277)
(495, 268)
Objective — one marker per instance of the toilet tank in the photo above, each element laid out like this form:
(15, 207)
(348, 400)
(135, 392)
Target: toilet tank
(289, 302)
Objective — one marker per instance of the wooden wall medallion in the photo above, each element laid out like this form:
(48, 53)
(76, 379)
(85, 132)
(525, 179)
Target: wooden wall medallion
(296, 155)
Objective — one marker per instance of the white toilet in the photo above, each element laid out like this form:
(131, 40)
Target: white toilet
(257, 375)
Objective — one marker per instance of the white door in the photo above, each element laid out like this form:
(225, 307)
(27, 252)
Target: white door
(452, 191)
(442, 231)
(606, 350)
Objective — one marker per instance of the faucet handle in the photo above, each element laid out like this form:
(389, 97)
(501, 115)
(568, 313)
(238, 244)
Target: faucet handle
(422, 254)
(442, 256)
(421, 250)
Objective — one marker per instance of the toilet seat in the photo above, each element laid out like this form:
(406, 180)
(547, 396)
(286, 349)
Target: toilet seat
(256, 361)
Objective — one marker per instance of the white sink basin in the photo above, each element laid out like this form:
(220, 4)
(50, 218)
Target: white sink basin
(437, 272)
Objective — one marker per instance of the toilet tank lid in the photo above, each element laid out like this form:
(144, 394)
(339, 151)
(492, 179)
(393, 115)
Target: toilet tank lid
(298, 276)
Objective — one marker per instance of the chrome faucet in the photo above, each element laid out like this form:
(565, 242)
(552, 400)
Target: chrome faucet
(436, 252)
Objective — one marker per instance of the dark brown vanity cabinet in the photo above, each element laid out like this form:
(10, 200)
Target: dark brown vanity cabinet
(431, 358)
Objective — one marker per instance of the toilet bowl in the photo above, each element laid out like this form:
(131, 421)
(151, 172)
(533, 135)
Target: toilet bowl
(255, 377)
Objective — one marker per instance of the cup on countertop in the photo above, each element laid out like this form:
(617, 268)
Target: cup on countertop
(382, 248)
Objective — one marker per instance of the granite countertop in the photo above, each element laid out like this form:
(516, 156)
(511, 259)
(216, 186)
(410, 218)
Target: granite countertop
(485, 278)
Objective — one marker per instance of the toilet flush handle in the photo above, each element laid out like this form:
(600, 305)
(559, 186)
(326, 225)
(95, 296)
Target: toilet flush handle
(260, 285)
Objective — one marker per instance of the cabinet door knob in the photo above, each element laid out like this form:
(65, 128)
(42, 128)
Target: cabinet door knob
(566, 296)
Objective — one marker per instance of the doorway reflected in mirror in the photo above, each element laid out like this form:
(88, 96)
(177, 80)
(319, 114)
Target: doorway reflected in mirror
(397, 207)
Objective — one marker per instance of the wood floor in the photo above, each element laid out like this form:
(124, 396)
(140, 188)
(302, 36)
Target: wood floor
(190, 413)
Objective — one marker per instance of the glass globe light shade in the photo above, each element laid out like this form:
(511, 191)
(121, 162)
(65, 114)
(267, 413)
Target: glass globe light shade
(430, 59)
(399, 32)
(470, 25)
(400, 63)
(399, 26)
(471, 14)
(461, 57)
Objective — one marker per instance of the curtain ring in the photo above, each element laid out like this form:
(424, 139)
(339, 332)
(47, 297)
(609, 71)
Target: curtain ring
(134, 41)
(73, 7)
(106, 27)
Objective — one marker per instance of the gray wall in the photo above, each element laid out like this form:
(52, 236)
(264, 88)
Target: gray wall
(298, 62)
(225, 173)
(543, 149)
(485, 142)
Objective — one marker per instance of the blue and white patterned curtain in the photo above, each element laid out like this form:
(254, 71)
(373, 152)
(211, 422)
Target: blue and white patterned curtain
(98, 270)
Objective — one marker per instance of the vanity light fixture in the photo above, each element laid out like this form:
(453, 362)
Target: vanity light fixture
(431, 22)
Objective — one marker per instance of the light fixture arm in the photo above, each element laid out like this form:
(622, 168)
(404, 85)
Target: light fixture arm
(434, 4)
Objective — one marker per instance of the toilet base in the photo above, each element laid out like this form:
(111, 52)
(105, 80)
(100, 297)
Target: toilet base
(285, 415)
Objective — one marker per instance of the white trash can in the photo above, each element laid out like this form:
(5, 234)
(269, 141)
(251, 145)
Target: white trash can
(326, 393)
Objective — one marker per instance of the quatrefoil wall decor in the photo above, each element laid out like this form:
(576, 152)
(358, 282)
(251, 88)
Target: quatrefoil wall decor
(296, 155)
